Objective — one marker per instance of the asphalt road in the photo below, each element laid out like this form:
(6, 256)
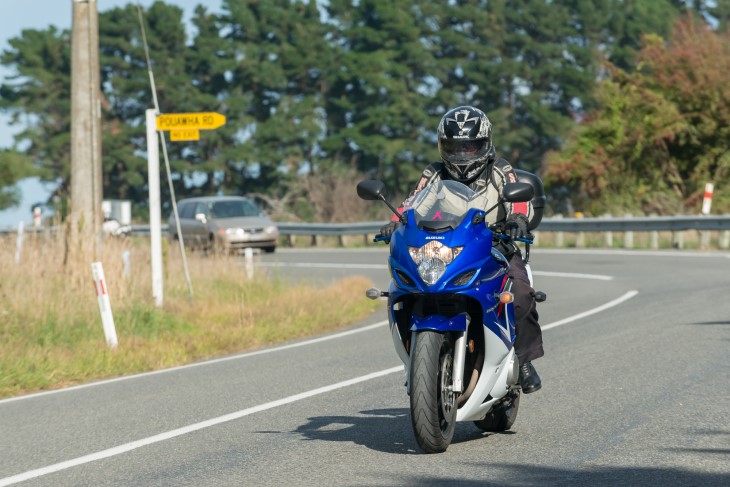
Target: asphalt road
(635, 392)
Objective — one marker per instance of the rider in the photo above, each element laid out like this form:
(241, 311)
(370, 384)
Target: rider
(468, 156)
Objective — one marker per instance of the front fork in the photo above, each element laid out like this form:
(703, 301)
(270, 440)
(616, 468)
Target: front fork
(459, 359)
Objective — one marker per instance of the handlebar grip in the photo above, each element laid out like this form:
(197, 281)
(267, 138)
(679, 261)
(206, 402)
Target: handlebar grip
(381, 238)
(526, 240)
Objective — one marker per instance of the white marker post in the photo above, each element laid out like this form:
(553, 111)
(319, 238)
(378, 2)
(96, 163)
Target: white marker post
(102, 295)
(153, 181)
(707, 201)
(37, 217)
(248, 258)
(127, 264)
(706, 206)
(19, 243)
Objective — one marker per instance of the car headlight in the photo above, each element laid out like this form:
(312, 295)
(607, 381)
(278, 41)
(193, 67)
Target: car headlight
(271, 229)
(432, 260)
(234, 231)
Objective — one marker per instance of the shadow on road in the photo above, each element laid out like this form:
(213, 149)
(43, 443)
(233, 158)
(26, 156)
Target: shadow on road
(383, 430)
(712, 323)
(389, 431)
(514, 475)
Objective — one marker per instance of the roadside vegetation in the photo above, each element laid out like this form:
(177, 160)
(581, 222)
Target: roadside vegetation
(621, 106)
(50, 327)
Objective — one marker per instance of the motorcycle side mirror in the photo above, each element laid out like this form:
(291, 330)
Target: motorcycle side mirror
(514, 193)
(374, 189)
(371, 189)
(518, 192)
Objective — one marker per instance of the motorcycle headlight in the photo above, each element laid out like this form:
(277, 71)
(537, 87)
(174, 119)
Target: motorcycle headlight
(432, 260)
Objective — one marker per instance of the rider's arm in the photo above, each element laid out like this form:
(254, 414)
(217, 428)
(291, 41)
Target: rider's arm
(504, 174)
(428, 175)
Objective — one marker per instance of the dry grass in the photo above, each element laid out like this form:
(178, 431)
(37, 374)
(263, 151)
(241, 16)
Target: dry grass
(50, 327)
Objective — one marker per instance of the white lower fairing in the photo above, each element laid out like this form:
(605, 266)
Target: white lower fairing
(492, 381)
(398, 344)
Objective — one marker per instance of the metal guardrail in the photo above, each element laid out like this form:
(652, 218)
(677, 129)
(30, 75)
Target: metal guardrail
(330, 229)
(626, 224)
(638, 224)
(607, 224)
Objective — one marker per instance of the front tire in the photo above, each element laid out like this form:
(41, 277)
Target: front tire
(433, 402)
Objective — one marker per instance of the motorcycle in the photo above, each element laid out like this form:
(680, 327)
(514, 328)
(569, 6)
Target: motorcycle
(450, 309)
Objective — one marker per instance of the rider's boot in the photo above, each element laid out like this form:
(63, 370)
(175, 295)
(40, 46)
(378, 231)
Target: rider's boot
(529, 380)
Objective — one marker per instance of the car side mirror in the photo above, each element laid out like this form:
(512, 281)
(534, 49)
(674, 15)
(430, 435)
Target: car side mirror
(518, 192)
(201, 217)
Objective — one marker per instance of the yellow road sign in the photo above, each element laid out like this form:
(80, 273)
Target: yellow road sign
(187, 134)
(191, 121)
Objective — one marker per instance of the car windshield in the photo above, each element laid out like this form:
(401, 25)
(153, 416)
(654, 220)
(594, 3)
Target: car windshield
(233, 209)
(443, 204)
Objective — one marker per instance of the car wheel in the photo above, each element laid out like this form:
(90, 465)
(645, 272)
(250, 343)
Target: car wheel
(270, 250)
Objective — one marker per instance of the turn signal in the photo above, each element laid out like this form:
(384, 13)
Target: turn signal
(506, 297)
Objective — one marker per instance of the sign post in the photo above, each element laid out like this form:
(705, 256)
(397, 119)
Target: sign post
(153, 181)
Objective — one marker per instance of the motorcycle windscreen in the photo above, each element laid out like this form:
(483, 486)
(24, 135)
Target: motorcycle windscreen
(443, 204)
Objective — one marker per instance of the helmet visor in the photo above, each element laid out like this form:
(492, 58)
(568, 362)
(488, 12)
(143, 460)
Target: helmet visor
(463, 151)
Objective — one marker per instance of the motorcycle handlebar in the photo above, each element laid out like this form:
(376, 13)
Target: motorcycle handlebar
(528, 239)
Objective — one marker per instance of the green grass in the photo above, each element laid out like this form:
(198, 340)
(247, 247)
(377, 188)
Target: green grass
(51, 333)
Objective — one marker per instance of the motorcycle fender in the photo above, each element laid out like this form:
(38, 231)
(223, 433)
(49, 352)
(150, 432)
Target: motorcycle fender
(439, 323)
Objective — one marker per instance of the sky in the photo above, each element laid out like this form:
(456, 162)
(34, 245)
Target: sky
(39, 14)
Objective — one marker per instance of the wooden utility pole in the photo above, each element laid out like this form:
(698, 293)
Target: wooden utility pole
(86, 194)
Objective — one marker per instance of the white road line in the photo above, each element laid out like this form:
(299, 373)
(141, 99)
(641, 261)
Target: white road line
(632, 253)
(593, 311)
(600, 277)
(199, 364)
(321, 265)
(118, 450)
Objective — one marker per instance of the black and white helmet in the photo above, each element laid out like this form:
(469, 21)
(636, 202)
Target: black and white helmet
(465, 142)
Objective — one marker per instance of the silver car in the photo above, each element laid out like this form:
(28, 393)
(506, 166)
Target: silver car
(227, 223)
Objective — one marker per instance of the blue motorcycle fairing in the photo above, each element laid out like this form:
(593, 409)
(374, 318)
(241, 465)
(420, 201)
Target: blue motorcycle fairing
(476, 240)
(465, 232)
(499, 319)
(484, 286)
(439, 323)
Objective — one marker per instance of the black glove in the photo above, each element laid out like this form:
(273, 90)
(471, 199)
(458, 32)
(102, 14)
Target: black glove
(516, 226)
(387, 230)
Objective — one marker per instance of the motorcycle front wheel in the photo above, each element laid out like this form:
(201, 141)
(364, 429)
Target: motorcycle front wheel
(433, 401)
